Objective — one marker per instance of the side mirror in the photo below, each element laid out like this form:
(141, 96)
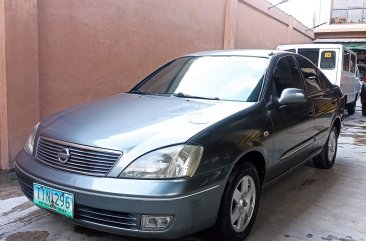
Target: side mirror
(292, 96)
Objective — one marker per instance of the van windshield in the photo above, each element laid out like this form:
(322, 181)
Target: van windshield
(311, 54)
(327, 58)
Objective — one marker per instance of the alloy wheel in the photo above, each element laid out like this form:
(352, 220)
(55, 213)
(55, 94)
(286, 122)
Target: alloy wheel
(243, 203)
(332, 145)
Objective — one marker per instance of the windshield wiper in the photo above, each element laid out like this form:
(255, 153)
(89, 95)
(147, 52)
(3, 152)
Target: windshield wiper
(180, 94)
(140, 92)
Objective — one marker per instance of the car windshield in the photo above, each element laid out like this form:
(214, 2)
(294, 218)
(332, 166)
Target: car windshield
(235, 78)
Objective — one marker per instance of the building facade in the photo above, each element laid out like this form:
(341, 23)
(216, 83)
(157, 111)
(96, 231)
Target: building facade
(343, 21)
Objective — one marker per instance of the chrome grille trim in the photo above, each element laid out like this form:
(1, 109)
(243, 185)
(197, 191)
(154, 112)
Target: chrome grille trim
(106, 218)
(84, 160)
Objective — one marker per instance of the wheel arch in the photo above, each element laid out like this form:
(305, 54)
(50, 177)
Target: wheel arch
(257, 159)
(337, 123)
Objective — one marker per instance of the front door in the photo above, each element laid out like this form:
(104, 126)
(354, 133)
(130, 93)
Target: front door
(293, 124)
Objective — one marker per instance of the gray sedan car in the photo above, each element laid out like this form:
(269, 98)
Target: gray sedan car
(188, 148)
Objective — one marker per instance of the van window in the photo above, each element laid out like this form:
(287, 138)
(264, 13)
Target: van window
(346, 59)
(312, 54)
(328, 60)
(290, 50)
(353, 63)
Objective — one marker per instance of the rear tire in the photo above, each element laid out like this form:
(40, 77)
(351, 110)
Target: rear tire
(239, 205)
(326, 158)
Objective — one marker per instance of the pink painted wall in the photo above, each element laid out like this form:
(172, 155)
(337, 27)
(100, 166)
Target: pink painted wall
(21, 69)
(260, 27)
(91, 48)
(4, 163)
(60, 53)
(255, 30)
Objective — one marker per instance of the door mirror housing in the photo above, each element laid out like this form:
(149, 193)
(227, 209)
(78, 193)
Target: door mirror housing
(291, 96)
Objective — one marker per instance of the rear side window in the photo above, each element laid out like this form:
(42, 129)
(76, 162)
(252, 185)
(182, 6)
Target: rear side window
(311, 54)
(346, 59)
(328, 60)
(310, 74)
(286, 75)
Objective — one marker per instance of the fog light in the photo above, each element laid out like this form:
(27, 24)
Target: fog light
(156, 222)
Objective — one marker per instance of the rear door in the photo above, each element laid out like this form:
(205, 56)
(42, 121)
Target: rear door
(348, 77)
(324, 101)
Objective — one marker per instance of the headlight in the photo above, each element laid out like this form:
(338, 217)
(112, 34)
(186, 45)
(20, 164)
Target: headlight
(170, 162)
(30, 141)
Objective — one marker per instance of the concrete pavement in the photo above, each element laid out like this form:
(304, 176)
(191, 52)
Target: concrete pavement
(309, 204)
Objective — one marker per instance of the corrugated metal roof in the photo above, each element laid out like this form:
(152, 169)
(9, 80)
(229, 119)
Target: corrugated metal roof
(341, 40)
(351, 43)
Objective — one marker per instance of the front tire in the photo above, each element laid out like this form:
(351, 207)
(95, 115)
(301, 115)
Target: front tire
(326, 158)
(351, 108)
(364, 109)
(240, 203)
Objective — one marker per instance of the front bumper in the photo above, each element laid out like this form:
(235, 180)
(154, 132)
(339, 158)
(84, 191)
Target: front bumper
(115, 205)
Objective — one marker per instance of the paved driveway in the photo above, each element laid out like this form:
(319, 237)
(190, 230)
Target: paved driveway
(309, 204)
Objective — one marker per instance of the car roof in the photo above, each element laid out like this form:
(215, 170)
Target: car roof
(237, 52)
(310, 46)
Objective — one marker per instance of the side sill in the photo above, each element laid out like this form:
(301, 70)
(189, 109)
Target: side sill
(292, 169)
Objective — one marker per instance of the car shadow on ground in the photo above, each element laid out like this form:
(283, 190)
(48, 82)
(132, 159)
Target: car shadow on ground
(206, 235)
(295, 186)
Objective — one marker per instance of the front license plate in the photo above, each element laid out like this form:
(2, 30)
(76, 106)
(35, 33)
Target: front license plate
(52, 199)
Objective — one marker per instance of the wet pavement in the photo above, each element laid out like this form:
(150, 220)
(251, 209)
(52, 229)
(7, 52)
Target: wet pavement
(309, 204)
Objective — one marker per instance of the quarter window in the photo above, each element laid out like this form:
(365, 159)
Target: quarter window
(309, 72)
(323, 80)
(286, 75)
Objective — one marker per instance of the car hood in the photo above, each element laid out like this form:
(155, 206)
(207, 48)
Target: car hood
(130, 121)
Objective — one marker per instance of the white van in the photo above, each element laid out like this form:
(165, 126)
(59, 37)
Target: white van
(337, 62)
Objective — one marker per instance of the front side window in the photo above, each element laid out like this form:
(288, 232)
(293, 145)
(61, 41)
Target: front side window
(286, 75)
(235, 78)
(328, 60)
(310, 74)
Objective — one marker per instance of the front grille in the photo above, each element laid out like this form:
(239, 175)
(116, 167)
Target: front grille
(93, 215)
(106, 218)
(83, 159)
